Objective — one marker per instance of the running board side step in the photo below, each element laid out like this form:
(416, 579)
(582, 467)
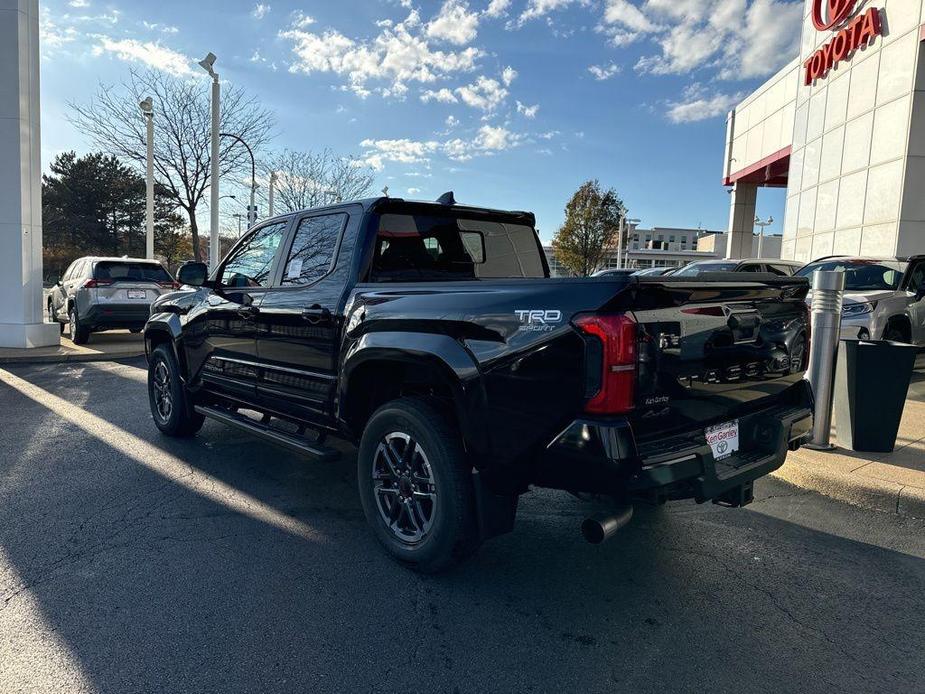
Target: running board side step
(293, 442)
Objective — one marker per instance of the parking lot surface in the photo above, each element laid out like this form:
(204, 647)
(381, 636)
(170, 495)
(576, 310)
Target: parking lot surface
(132, 562)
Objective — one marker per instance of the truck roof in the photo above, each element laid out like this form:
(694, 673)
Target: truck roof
(371, 204)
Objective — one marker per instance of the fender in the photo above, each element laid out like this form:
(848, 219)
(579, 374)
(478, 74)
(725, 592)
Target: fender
(450, 359)
(165, 323)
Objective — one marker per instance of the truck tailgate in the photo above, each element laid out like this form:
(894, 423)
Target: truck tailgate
(714, 349)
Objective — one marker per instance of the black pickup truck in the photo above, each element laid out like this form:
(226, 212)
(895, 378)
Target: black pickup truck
(431, 335)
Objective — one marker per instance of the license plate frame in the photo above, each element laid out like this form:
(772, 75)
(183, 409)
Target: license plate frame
(137, 294)
(723, 439)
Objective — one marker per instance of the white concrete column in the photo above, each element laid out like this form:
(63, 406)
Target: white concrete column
(21, 313)
(742, 201)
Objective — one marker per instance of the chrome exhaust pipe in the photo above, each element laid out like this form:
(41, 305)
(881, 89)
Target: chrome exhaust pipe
(601, 528)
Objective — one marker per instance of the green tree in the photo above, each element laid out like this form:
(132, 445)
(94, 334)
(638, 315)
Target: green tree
(591, 228)
(95, 205)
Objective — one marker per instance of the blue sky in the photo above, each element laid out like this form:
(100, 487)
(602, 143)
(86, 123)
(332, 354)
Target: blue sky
(510, 103)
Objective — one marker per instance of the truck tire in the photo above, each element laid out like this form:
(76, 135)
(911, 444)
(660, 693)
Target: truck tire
(415, 485)
(80, 334)
(170, 409)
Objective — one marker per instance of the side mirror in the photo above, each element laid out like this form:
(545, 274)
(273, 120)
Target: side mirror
(193, 274)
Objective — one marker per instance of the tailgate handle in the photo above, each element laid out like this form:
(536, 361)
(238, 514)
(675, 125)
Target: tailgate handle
(744, 324)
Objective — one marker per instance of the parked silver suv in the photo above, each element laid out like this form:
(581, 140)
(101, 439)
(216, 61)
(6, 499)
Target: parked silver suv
(883, 298)
(106, 293)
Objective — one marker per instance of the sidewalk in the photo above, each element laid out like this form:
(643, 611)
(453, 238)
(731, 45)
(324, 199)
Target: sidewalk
(892, 482)
(108, 346)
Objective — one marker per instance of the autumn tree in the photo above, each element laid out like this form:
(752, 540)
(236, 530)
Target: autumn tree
(591, 229)
(182, 121)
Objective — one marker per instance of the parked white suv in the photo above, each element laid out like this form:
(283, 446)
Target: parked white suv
(98, 294)
(883, 298)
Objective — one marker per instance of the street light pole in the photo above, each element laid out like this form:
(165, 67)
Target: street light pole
(762, 225)
(252, 208)
(147, 108)
(272, 192)
(214, 250)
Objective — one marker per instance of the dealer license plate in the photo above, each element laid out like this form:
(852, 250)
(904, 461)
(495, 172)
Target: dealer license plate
(136, 294)
(723, 439)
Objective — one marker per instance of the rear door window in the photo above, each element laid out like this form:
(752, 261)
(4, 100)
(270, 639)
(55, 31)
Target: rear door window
(313, 249)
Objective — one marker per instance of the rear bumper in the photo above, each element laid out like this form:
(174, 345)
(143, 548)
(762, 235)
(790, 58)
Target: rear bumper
(101, 316)
(602, 457)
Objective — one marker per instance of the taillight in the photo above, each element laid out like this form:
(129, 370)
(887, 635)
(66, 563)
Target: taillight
(615, 382)
(93, 284)
(169, 284)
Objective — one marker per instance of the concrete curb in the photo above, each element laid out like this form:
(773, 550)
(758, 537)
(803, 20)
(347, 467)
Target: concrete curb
(65, 358)
(852, 488)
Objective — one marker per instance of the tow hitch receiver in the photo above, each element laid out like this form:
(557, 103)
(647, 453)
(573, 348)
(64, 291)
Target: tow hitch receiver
(742, 495)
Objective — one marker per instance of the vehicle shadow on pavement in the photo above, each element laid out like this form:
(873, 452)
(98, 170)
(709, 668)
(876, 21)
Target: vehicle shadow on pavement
(220, 563)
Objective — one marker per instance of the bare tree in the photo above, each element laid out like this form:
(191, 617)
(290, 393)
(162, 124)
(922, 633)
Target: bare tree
(312, 179)
(182, 162)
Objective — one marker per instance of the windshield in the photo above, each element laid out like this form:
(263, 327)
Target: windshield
(116, 271)
(862, 275)
(697, 268)
(433, 248)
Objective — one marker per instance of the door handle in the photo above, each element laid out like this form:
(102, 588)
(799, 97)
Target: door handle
(316, 314)
(247, 311)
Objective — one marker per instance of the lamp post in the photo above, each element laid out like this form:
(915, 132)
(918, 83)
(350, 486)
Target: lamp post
(207, 64)
(252, 208)
(271, 193)
(762, 225)
(147, 109)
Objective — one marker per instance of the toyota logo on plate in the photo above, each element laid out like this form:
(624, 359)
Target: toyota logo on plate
(830, 13)
(722, 447)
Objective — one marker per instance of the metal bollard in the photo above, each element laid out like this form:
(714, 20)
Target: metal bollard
(828, 290)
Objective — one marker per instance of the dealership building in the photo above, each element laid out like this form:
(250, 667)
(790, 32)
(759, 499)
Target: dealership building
(842, 128)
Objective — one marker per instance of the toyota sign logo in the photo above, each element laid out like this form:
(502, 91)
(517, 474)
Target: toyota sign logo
(830, 13)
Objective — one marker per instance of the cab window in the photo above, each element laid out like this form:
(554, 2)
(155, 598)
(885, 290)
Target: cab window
(313, 249)
(251, 263)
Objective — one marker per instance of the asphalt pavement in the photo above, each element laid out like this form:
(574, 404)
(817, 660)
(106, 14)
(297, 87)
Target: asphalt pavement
(130, 562)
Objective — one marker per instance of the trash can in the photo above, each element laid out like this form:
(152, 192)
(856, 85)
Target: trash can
(871, 382)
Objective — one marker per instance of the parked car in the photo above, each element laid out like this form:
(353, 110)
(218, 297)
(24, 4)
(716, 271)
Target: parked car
(784, 268)
(613, 272)
(654, 271)
(431, 335)
(106, 293)
(883, 298)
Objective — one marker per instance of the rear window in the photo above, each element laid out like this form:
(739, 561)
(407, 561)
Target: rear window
(117, 271)
(422, 248)
(862, 275)
(695, 269)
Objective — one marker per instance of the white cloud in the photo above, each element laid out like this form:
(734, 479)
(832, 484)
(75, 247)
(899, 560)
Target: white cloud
(698, 103)
(730, 36)
(79, 4)
(414, 191)
(497, 8)
(540, 8)
(454, 23)
(163, 28)
(487, 141)
(444, 96)
(260, 10)
(604, 72)
(485, 94)
(528, 111)
(149, 53)
(51, 36)
(452, 121)
(508, 75)
(400, 53)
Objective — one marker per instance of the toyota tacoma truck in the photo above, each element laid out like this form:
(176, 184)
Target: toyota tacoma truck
(432, 337)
